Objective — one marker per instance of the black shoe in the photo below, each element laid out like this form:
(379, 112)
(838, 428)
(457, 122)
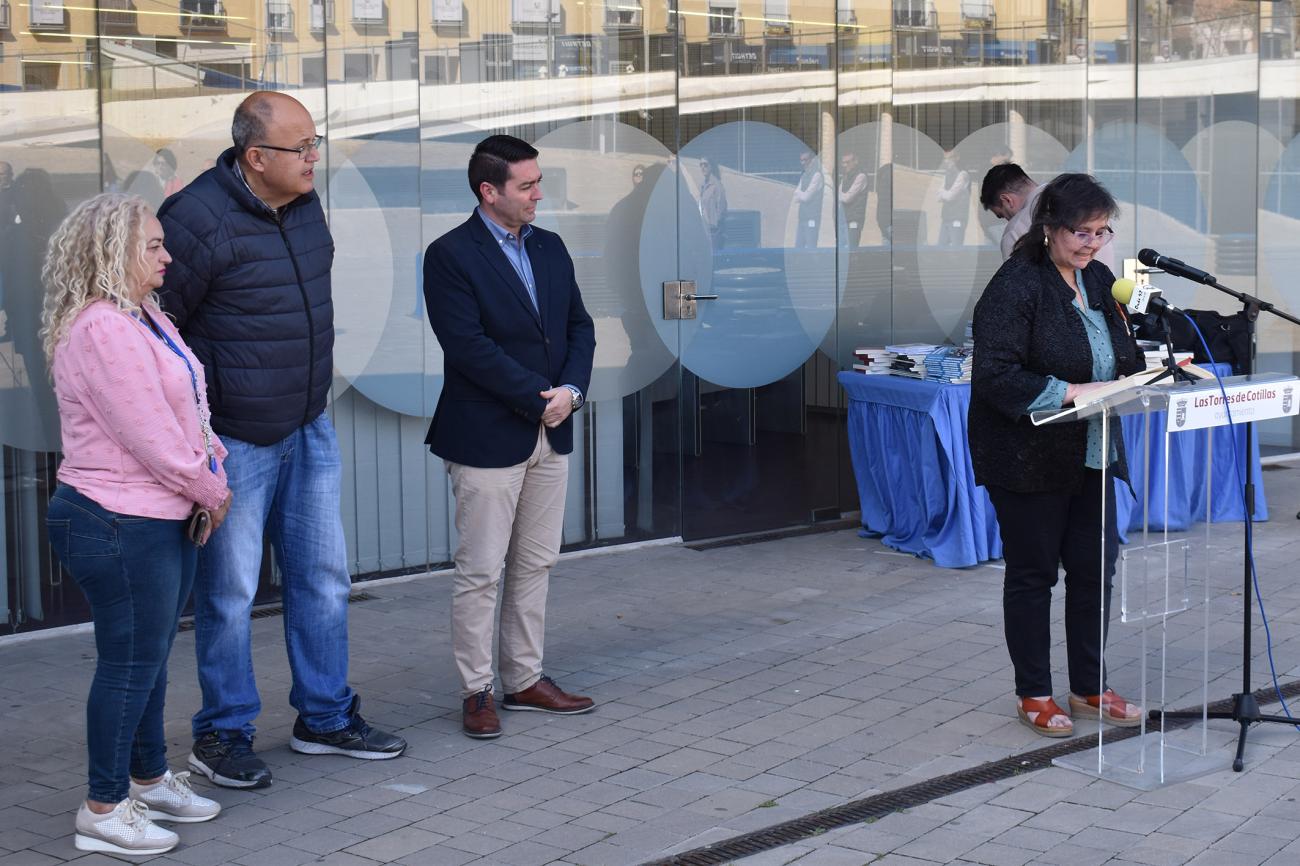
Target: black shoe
(226, 757)
(357, 740)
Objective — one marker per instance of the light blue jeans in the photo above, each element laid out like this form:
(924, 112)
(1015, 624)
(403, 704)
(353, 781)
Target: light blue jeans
(290, 490)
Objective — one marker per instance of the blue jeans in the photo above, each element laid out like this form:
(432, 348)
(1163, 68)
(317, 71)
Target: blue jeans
(136, 572)
(290, 491)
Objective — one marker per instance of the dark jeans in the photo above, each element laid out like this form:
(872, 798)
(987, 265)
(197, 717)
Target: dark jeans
(1040, 533)
(136, 572)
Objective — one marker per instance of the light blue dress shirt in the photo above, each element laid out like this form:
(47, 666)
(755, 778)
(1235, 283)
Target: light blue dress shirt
(1052, 396)
(515, 252)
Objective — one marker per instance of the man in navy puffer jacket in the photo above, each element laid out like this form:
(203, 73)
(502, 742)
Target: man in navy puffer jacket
(249, 287)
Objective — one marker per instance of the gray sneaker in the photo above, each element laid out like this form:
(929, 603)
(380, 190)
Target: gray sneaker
(125, 830)
(172, 799)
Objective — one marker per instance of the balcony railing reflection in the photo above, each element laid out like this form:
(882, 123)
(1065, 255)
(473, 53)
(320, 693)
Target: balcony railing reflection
(623, 15)
(913, 16)
(279, 17)
(4, 15)
(117, 16)
(320, 15)
(202, 15)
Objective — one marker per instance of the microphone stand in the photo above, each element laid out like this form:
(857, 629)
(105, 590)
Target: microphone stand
(1172, 370)
(1245, 709)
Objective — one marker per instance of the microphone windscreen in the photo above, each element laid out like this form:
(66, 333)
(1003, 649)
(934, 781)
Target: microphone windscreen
(1122, 290)
(1148, 257)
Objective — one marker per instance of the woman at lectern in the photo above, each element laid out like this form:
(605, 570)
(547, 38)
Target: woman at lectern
(1046, 332)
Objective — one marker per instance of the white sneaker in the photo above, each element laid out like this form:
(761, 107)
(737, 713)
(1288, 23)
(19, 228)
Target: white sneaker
(172, 799)
(125, 830)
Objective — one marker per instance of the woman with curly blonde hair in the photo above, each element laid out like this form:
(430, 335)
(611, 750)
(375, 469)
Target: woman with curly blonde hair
(140, 467)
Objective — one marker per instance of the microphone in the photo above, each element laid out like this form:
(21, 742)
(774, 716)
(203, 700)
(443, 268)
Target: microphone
(1153, 259)
(1140, 298)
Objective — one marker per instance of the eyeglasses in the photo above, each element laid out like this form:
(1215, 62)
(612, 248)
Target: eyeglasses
(302, 152)
(1101, 238)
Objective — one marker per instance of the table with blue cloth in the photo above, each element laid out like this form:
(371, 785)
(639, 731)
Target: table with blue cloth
(916, 485)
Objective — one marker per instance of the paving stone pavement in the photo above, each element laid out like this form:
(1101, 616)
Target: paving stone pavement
(738, 687)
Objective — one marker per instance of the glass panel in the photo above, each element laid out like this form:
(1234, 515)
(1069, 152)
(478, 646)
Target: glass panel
(49, 162)
(755, 219)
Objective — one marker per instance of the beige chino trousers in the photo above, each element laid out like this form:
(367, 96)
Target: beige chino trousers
(513, 515)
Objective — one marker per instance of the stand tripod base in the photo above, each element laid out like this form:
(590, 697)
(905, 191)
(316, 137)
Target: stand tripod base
(1245, 712)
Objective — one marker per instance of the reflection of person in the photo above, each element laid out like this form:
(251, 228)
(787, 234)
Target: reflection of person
(885, 200)
(164, 165)
(638, 175)
(518, 343)
(1047, 332)
(250, 290)
(1010, 194)
(808, 193)
(1001, 155)
(955, 202)
(138, 458)
(854, 187)
(713, 202)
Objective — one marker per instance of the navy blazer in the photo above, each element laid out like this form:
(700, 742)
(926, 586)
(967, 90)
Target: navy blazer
(499, 352)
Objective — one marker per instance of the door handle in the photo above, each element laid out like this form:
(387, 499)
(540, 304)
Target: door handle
(680, 298)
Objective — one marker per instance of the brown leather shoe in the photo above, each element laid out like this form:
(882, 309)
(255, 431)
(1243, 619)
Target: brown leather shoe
(479, 718)
(544, 696)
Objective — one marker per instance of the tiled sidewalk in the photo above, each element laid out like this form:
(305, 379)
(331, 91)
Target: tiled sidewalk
(739, 687)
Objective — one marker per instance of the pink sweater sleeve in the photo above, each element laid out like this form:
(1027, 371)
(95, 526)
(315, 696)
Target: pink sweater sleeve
(119, 382)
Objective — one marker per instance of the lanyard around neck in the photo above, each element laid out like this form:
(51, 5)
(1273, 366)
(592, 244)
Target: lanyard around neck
(152, 327)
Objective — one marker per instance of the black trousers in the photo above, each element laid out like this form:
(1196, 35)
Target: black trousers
(1042, 532)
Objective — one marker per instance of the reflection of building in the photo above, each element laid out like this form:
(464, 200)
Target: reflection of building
(242, 43)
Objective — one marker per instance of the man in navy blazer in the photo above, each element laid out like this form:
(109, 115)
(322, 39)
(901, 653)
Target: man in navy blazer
(517, 346)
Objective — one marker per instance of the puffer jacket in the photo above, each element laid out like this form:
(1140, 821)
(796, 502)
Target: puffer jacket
(249, 289)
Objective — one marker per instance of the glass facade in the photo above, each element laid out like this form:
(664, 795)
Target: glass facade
(816, 165)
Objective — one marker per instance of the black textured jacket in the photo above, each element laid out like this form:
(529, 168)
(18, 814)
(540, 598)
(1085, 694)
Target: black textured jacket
(250, 292)
(1026, 328)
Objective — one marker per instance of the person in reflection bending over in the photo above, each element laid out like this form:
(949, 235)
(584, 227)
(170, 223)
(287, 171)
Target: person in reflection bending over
(139, 458)
(250, 290)
(1046, 333)
(517, 344)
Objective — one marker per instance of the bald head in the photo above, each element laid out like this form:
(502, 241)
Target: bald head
(258, 116)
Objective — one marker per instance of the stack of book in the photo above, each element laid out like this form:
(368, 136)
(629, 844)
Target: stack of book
(909, 360)
(1156, 357)
(950, 364)
(873, 360)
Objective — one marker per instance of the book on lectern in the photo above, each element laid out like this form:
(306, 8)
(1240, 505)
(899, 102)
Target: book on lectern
(1119, 386)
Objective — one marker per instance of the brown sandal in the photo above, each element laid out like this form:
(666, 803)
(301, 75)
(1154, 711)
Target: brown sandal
(1038, 716)
(1109, 707)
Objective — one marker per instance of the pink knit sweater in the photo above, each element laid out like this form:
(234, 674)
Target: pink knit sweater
(132, 440)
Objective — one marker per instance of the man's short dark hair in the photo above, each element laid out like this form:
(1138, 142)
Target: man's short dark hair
(252, 117)
(1007, 177)
(492, 160)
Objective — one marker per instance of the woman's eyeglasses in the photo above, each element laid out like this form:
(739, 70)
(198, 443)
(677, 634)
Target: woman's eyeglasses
(1102, 236)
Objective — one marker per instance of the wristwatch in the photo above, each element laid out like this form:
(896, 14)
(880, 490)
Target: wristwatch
(578, 399)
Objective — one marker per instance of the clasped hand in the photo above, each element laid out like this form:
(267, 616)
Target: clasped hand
(559, 405)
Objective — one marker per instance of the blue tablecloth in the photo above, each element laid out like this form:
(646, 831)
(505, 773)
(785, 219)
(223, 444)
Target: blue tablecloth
(907, 439)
